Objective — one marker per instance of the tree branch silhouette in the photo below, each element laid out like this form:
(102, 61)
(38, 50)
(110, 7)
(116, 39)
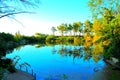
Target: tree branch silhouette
(8, 14)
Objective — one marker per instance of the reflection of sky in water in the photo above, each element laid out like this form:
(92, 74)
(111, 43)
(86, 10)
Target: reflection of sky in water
(49, 66)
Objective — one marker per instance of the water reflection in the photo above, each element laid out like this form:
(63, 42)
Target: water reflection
(78, 52)
(62, 62)
(74, 51)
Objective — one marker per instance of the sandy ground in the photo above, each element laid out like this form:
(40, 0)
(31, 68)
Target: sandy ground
(19, 75)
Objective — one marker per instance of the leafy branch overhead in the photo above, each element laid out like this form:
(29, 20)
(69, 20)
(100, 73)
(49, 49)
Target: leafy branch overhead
(11, 7)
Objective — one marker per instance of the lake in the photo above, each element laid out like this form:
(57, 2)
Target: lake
(59, 62)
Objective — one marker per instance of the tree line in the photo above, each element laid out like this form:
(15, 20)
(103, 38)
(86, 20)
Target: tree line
(103, 32)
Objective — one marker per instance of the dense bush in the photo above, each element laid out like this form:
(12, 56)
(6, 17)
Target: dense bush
(70, 39)
(50, 38)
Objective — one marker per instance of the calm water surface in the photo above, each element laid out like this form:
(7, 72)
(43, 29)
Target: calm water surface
(59, 62)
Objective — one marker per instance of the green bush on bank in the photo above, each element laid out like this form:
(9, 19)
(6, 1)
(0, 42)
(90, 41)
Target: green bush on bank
(51, 38)
(9, 42)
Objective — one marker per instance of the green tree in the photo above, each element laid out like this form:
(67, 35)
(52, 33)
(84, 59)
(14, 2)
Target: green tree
(40, 37)
(69, 28)
(62, 29)
(106, 25)
(76, 27)
(88, 27)
(80, 27)
(9, 8)
(18, 36)
(50, 38)
(99, 7)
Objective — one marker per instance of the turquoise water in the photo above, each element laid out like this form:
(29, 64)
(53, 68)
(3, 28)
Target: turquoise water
(58, 62)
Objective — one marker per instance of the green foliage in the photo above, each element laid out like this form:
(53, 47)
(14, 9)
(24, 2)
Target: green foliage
(69, 29)
(6, 37)
(9, 42)
(77, 41)
(88, 27)
(62, 39)
(106, 26)
(50, 38)
(40, 37)
(70, 39)
(76, 27)
(7, 64)
(100, 9)
(62, 28)
(1, 72)
(12, 69)
(65, 39)
(18, 36)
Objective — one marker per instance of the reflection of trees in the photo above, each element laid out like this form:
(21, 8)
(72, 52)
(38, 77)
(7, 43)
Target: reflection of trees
(39, 45)
(63, 50)
(75, 52)
(18, 48)
(97, 52)
(50, 43)
(86, 52)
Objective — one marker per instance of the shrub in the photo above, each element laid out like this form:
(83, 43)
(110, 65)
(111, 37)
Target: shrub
(70, 39)
(50, 38)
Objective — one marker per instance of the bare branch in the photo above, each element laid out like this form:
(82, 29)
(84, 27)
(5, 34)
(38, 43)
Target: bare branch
(17, 21)
(10, 8)
(8, 14)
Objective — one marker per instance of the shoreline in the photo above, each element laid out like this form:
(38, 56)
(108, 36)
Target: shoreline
(19, 75)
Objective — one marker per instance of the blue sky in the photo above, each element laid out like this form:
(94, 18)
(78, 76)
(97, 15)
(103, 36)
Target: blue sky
(50, 13)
